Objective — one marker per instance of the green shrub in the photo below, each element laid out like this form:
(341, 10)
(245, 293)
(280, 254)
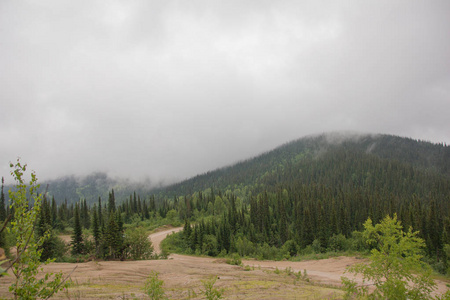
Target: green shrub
(138, 244)
(244, 247)
(290, 248)
(338, 243)
(234, 260)
(154, 287)
(210, 292)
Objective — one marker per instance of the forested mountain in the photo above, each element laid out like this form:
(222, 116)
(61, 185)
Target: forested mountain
(269, 168)
(317, 192)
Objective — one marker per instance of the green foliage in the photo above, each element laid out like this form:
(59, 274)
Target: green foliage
(2, 270)
(209, 245)
(210, 292)
(154, 287)
(172, 215)
(244, 247)
(290, 248)
(395, 266)
(338, 242)
(235, 260)
(27, 264)
(174, 243)
(138, 245)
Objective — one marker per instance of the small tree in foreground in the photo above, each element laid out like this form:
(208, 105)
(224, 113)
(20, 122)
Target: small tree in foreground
(153, 287)
(395, 267)
(26, 265)
(210, 292)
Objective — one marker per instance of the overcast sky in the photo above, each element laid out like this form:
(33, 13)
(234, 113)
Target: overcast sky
(170, 89)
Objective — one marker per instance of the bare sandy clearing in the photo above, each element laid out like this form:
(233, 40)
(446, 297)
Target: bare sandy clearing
(183, 274)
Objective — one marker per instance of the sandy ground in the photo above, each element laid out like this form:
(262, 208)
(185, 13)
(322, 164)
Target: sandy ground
(183, 276)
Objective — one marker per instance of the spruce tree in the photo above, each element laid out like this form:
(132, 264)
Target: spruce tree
(54, 213)
(95, 228)
(111, 202)
(44, 231)
(100, 216)
(111, 240)
(77, 237)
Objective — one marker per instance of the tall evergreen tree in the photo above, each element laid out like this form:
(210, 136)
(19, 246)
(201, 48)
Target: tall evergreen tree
(100, 216)
(95, 228)
(77, 237)
(54, 212)
(44, 230)
(111, 202)
(113, 237)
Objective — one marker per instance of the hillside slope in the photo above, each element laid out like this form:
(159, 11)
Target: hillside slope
(424, 156)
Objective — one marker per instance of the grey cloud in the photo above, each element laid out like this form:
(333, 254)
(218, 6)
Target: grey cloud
(173, 88)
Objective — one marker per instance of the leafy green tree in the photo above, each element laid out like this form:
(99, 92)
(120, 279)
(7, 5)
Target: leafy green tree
(138, 244)
(394, 264)
(27, 264)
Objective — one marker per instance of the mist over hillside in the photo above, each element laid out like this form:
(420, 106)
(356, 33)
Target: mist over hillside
(255, 171)
(418, 154)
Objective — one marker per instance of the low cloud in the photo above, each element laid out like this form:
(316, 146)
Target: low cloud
(168, 90)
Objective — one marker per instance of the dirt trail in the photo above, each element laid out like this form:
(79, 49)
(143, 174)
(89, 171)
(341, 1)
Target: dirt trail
(159, 236)
(183, 277)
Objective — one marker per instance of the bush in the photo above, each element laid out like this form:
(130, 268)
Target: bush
(317, 248)
(153, 287)
(235, 260)
(338, 243)
(290, 248)
(244, 247)
(210, 292)
(265, 251)
(138, 244)
(357, 242)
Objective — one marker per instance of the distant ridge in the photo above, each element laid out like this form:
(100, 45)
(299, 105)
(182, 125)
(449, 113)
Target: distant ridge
(422, 155)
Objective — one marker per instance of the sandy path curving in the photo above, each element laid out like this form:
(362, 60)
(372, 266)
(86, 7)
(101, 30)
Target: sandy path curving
(159, 236)
(183, 275)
